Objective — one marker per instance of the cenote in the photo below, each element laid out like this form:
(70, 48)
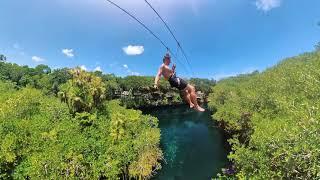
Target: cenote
(194, 147)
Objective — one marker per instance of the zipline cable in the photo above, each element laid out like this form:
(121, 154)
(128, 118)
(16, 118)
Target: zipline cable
(169, 29)
(148, 29)
(132, 16)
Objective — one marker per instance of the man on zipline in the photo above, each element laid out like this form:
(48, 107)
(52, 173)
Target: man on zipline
(188, 91)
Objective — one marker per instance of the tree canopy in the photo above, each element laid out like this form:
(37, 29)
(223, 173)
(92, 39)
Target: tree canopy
(273, 118)
(79, 136)
(142, 93)
(2, 57)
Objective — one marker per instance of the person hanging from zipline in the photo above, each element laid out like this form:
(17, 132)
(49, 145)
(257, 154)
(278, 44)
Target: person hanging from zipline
(188, 90)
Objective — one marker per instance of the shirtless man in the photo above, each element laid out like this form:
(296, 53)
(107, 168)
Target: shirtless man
(189, 91)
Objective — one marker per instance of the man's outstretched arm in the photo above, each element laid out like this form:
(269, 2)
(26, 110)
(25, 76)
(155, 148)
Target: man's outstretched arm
(156, 80)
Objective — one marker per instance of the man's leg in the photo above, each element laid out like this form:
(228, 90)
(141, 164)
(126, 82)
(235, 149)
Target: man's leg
(187, 98)
(193, 97)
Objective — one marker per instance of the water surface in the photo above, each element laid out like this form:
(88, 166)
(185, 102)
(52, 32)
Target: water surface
(194, 148)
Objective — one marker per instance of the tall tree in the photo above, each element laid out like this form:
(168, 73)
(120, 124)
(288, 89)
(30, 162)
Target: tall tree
(84, 92)
(42, 69)
(317, 46)
(3, 58)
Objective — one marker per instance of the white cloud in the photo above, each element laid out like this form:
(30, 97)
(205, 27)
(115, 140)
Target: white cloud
(267, 5)
(98, 68)
(125, 66)
(83, 67)
(37, 59)
(133, 50)
(68, 52)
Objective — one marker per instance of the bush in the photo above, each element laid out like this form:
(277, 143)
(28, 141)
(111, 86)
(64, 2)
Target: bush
(41, 139)
(274, 119)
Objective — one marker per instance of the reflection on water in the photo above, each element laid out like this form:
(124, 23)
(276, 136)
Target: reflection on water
(194, 148)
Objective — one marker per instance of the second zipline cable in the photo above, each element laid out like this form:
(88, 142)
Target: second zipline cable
(169, 29)
(148, 29)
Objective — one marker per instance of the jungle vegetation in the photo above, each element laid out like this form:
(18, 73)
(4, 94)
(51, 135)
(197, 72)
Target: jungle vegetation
(132, 91)
(72, 124)
(60, 125)
(273, 118)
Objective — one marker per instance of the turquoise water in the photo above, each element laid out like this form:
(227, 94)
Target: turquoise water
(194, 148)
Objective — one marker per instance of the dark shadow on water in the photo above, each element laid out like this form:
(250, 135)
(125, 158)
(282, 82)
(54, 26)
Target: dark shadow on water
(194, 148)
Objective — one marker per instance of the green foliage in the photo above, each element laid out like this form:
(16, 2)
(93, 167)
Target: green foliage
(60, 76)
(82, 136)
(274, 119)
(203, 85)
(136, 82)
(317, 46)
(42, 69)
(84, 92)
(41, 140)
(141, 87)
(12, 72)
(136, 138)
(6, 89)
(40, 77)
(111, 85)
(24, 115)
(3, 58)
(142, 93)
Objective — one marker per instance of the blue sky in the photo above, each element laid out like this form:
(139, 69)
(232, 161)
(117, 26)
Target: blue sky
(221, 38)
